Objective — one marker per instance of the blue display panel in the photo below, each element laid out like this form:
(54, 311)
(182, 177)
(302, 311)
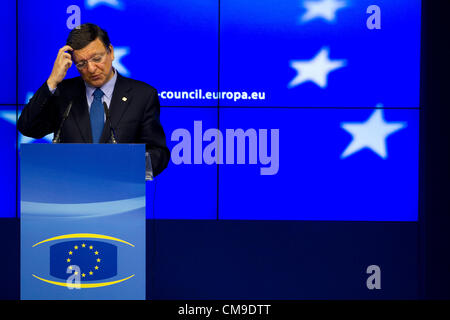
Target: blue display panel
(266, 48)
(8, 52)
(320, 53)
(325, 164)
(171, 45)
(187, 189)
(8, 161)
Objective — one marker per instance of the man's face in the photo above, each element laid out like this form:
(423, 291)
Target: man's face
(97, 60)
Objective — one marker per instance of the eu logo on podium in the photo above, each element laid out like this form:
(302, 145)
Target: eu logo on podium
(94, 260)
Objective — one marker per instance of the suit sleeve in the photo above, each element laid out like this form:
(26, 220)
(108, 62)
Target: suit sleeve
(39, 117)
(152, 134)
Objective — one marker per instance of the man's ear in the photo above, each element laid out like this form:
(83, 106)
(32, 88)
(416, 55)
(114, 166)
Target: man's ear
(111, 50)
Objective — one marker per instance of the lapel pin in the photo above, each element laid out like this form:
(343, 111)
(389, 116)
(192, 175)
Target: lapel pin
(124, 98)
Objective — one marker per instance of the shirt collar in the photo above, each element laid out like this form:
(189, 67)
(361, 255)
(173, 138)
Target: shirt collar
(107, 88)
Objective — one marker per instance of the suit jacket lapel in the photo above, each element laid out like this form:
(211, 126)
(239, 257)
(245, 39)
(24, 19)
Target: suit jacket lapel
(119, 103)
(80, 112)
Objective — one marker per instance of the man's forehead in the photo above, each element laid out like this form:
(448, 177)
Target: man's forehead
(90, 50)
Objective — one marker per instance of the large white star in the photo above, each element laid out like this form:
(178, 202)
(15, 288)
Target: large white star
(116, 4)
(322, 9)
(316, 69)
(10, 116)
(371, 134)
(119, 53)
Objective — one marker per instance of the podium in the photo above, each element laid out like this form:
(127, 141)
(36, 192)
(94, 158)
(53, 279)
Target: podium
(82, 221)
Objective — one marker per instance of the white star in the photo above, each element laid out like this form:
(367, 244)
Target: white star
(323, 9)
(119, 53)
(316, 69)
(10, 116)
(371, 134)
(116, 4)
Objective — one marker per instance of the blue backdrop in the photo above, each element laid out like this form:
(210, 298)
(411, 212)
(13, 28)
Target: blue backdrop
(293, 110)
(216, 67)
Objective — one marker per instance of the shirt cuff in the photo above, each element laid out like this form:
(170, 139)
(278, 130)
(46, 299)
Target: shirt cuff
(148, 167)
(50, 89)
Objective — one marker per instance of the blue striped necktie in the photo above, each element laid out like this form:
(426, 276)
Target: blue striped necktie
(97, 115)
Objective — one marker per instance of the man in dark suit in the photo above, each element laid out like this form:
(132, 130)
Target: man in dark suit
(134, 105)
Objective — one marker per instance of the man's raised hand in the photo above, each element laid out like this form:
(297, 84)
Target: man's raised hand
(62, 63)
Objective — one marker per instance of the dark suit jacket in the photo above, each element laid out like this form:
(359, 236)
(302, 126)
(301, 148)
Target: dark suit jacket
(134, 113)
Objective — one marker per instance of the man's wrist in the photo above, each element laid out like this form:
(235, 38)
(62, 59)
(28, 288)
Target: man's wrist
(51, 85)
